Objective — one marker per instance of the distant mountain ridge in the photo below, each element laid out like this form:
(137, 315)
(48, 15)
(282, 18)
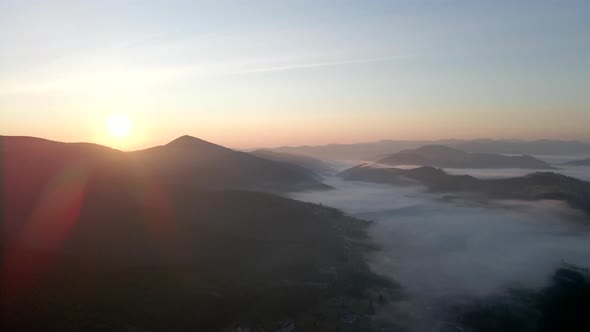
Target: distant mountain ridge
(443, 156)
(579, 162)
(371, 150)
(538, 147)
(311, 164)
(534, 186)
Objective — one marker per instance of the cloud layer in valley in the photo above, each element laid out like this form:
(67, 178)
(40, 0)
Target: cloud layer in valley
(444, 249)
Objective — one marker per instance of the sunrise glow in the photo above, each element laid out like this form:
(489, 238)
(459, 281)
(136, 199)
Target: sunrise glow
(119, 126)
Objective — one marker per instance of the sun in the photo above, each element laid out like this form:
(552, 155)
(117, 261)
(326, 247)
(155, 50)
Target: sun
(119, 125)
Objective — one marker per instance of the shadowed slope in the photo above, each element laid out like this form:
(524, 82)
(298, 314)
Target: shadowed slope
(93, 239)
(311, 164)
(558, 307)
(539, 185)
(443, 156)
(206, 164)
(579, 162)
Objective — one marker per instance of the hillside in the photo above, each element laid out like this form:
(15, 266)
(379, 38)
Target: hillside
(370, 150)
(237, 258)
(540, 185)
(313, 165)
(205, 164)
(355, 151)
(579, 162)
(537, 147)
(93, 240)
(189, 160)
(34, 168)
(443, 156)
(557, 307)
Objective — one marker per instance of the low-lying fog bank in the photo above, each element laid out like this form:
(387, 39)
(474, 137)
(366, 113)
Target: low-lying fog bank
(444, 250)
(578, 172)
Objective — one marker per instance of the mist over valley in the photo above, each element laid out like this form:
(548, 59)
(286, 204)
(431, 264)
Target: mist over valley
(294, 166)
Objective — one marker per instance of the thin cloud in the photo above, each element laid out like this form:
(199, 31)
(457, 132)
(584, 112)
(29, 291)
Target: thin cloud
(117, 79)
(314, 65)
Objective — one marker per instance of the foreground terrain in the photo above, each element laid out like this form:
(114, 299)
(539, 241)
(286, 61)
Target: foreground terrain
(95, 239)
(194, 236)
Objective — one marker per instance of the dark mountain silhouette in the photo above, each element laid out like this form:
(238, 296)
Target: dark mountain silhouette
(579, 162)
(556, 307)
(443, 156)
(372, 150)
(311, 164)
(96, 239)
(31, 164)
(539, 185)
(194, 161)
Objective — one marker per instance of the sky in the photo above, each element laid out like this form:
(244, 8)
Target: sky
(270, 73)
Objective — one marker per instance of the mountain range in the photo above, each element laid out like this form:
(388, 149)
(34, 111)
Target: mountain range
(376, 150)
(193, 236)
(579, 162)
(534, 186)
(190, 160)
(313, 165)
(163, 239)
(443, 156)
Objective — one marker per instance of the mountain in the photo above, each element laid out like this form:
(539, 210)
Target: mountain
(189, 161)
(310, 164)
(198, 162)
(539, 185)
(356, 151)
(538, 147)
(371, 150)
(579, 162)
(443, 156)
(558, 306)
(145, 260)
(95, 239)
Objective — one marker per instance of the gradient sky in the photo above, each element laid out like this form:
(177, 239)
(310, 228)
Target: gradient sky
(269, 73)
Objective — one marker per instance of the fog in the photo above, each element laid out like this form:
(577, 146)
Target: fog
(446, 249)
(579, 172)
